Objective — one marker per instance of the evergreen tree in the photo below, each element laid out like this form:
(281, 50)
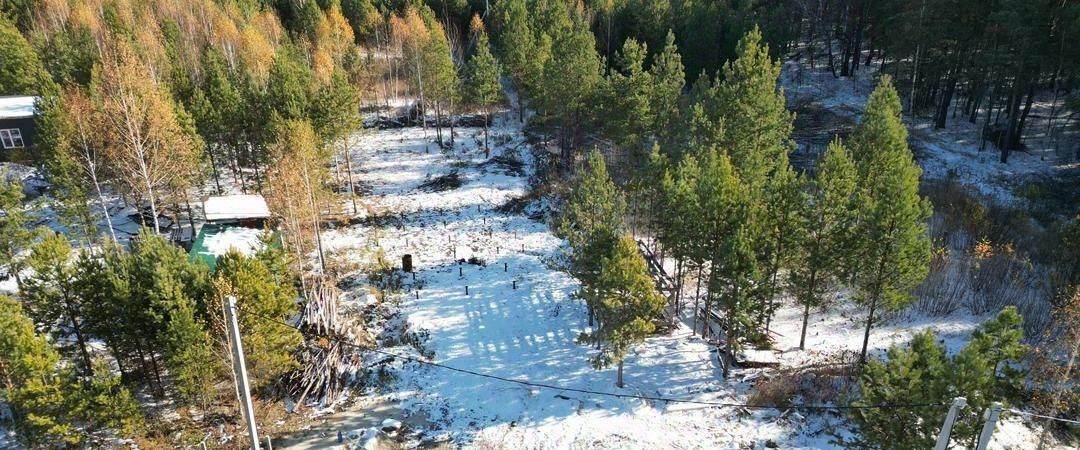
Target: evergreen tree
(895, 249)
(670, 79)
(783, 228)
(50, 295)
(569, 81)
(15, 232)
(988, 370)
(983, 372)
(189, 352)
(482, 82)
(263, 303)
(336, 118)
(910, 376)
(756, 125)
(363, 17)
(519, 48)
(107, 404)
(440, 78)
(22, 71)
(164, 282)
(103, 282)
(629, 114)
(594, 206)
(827, 214)
(726, 229)
(34, 385)
(289, 86)
(627, 304)
(591, 221)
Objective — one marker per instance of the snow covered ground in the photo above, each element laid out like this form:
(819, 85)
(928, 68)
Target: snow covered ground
(953, 151)
(529, 333)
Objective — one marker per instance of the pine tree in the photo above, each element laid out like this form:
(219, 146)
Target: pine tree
(440, 78)
(336, 118)
(726, 225)
(22, 71)
(49, 292)
(591, 222)
(910, 376)
(570, 78)
(984, 371)
(629, 114)
(627, 304)
(519, 49)
(263, 304)
(783, 229)
(482, 82)
(15, 232)
(107, 404)
(33, 383)
(895, 248)
(153, 282)
(289, 86)
(987, 370)
(670, 80)
(757, 126)
(827, 215)
(103, 282)
(189, 352)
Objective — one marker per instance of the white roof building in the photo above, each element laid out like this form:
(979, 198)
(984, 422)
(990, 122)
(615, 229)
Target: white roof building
(17, 106)
(235, 207)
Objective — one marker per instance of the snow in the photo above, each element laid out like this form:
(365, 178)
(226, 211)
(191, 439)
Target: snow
(952, 152)
(245, 240)
(17, 106)
(529, 333)
(235, 207)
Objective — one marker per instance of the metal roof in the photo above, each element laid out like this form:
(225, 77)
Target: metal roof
(235, 207)
(17, 106)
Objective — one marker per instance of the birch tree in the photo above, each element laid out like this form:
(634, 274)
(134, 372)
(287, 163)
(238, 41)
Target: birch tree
(145, 144)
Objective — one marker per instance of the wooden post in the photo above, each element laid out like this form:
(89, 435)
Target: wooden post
(946, 428)
(241, 371)
(466, 289)
(991, 415)
(515, 284)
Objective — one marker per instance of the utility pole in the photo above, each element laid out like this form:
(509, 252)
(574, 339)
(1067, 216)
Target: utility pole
(946, 429)
(241, 371)
(991, 415)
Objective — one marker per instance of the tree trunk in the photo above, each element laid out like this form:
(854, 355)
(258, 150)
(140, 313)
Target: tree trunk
(805, 323)
(80, 340)
(619, 379)
(487, 149)
(352, 189)
(213, 167)
(697, 296)
(866, 334)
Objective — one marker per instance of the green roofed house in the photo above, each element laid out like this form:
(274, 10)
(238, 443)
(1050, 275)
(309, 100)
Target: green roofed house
(232, 221)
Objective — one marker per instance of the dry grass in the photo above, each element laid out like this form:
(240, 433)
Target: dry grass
(828, 381)
(989, 257)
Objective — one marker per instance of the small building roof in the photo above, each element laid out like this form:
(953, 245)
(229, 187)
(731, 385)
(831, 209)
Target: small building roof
(235, 207)
(17, 106)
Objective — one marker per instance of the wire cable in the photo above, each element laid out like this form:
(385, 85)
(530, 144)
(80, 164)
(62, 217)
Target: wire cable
(602, 393)
(1059, 419)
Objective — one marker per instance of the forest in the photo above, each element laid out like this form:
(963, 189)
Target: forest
(835, 215)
